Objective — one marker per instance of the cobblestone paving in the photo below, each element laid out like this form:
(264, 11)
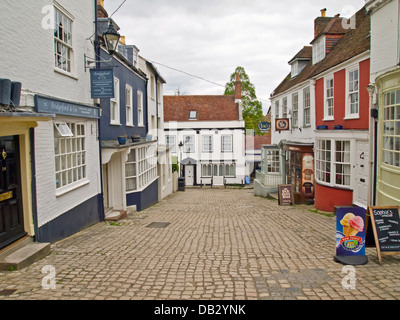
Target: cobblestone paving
(219, 244)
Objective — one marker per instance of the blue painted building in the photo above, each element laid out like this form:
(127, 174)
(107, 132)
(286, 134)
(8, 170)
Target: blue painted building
(129, 167)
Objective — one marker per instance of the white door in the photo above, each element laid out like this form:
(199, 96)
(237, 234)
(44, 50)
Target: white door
(189, 175)
(360, 194)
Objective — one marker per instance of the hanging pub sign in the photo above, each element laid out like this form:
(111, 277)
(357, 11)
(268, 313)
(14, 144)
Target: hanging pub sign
(285, 194)
(385, 223)
(264, 126)
(350, 235)
(282, 124)
(102, 83)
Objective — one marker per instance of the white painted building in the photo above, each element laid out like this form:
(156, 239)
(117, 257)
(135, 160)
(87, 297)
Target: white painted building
(60, 155)
(207, 134)
(155, 116)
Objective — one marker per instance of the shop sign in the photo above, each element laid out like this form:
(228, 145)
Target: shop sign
(385, 223)
(6, 196)
(264, 127)
(50, 105)
(285, 194)
(102, 83)
(350, 231)
(282, 124)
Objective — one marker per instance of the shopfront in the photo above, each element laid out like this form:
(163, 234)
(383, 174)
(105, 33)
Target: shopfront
(299, 170)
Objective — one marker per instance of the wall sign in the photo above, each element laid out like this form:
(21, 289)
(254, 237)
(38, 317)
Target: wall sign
(51, 105)
(282, 124)
(102, 83)
(385, 223)
(264, 127)
(285, 194)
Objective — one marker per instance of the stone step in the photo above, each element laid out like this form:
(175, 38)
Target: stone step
(23, 254)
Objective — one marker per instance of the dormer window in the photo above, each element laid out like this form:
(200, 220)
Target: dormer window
(192, 115)
(295, 69)
(318, 50)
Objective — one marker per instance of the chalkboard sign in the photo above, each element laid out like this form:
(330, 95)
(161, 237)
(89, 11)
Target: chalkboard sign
(102, 83)
(285, 194)
(386, 228)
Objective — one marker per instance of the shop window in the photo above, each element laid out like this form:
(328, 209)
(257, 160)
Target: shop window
(333, 165)
(70, 153)
(273, 162)
(206, 170)
(141, 168)
(391, 129)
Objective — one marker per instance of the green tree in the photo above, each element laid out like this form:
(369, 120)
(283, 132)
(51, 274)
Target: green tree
(252, 108)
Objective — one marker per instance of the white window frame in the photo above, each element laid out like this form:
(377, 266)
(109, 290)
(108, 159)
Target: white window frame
(294, 69)
(284, 108)
(277, 109)
(192, 115)
(318, 50)
(129, 105)
(329, 100)
(230, 170)
(391, 129)
(273, 161)
(145, 164)
(140, 111)
(208, 144)
(70, 158)
(115, 105)
(227, 145)
(206, 170)
(171, 142)
(188, 144)
(66, 54)
(349, 114)
(331, 164)
(307, 107)
(295, 110)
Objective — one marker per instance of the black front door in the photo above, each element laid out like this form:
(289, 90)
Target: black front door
(11, 214)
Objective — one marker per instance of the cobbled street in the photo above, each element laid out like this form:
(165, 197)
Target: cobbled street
(206, 244)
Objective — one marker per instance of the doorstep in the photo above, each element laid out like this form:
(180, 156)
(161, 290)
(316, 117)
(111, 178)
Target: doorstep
(22, 254)
(116, 215)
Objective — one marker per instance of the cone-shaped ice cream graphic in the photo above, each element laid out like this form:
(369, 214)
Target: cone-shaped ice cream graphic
(351, 224)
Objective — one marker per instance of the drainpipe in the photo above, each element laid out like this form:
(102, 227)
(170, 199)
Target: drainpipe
(97, 56)
(372, 151)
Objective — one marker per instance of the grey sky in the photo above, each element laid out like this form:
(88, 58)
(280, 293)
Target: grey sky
(209, 39)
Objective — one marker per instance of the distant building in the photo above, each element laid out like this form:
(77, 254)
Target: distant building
(207, 134)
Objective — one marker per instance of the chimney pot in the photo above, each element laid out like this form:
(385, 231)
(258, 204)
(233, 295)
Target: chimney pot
(238, 88)
(323, 12)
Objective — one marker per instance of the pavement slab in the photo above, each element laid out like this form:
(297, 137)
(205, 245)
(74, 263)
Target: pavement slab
(205, 244)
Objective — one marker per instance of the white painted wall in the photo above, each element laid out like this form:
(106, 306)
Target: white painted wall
(27, 53)
(236, 128)
(385, 34)
(27, 56)
(306, 134)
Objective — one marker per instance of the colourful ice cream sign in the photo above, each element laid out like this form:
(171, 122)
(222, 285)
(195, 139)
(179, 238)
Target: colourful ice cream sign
(350, 231)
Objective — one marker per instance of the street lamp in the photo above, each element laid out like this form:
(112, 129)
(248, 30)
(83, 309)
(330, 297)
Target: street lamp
(180, 145)
(111, 38)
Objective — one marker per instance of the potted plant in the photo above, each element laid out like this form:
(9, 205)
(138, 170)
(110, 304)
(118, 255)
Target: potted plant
(136, 138)
(122, 139)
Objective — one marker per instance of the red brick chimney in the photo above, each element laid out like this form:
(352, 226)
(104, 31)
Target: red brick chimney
(238, 88)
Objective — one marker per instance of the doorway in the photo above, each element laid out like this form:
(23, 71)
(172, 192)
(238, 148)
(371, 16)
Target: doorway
(11, 211)
(189, 175)
(361, 188)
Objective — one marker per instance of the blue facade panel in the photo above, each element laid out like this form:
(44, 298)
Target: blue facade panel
(145, 198)
(126, 76)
